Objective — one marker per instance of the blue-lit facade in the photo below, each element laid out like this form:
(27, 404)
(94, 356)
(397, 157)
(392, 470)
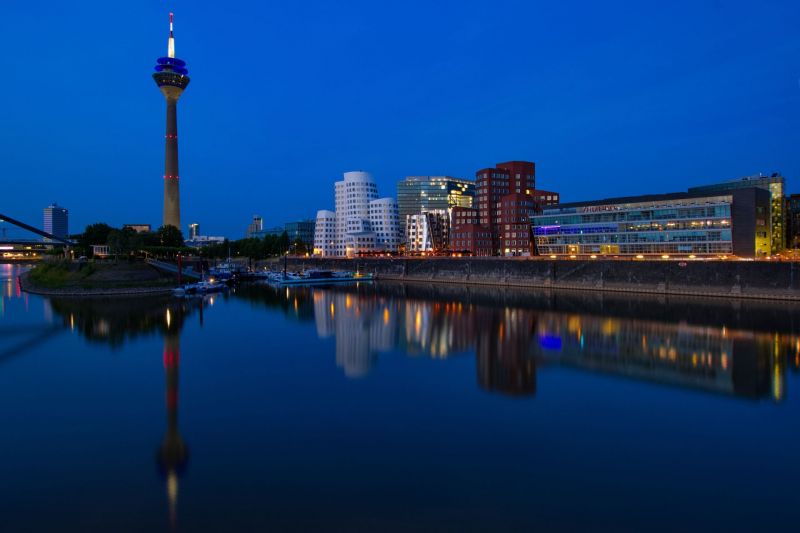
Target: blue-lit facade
(680, 224)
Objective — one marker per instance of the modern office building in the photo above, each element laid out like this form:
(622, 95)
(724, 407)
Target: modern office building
(428, 231)
(172, 78)
(364, 222)
(194, 230)
(418, 194)
(734, 222)
(301, 230)
(775, 185)
(56, 220)
(255, 227)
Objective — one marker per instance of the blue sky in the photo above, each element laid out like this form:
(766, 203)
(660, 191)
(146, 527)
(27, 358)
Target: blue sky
(608, 98)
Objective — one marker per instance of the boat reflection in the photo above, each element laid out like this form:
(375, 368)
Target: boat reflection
(728, 347)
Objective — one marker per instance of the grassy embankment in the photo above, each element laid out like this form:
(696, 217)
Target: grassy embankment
(67, 275)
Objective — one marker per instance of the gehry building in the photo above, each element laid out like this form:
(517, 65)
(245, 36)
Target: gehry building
(362, 222)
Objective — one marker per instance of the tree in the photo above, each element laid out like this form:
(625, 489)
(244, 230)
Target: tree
(170, 236)
(94, 234)
(284, 242)
(121, 241)
(299, 247)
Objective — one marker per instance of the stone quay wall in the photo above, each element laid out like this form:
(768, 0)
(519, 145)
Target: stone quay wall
(732, 279)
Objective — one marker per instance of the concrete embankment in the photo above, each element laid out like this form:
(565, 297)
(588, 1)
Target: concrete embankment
(729, 279)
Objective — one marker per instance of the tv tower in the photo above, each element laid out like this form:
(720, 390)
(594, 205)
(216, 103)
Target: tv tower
(172, 78)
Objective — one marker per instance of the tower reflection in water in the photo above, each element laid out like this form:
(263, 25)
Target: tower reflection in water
(173, 454)
(510, 342)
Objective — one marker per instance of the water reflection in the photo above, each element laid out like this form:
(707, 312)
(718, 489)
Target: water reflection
(173, 453)
(115, 321)
(512, 333)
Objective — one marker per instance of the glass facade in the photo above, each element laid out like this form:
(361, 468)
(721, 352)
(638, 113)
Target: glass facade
(418, 194)
(775, 184)
(666, 225)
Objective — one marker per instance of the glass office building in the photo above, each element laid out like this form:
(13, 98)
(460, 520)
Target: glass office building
(419, 194)
(775, 185)
(730, 223)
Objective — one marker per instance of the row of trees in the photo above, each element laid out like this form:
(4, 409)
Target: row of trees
(125, 241)
(168, 240)
(269, 246)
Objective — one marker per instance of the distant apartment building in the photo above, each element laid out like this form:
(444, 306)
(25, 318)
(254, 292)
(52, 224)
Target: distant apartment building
(56, 220)
(695, 223)
(255, 227)
(364, 223)
(194, 230)
(776, 186)
(200, 241)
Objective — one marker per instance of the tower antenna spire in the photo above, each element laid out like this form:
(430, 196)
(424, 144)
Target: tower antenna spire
(171, 45)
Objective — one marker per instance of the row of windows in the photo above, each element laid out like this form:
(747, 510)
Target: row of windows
(678, 236)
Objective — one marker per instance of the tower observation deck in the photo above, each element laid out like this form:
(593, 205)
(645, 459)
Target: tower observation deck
(172, 77)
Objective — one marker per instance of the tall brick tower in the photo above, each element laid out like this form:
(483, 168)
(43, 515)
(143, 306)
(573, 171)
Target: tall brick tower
(172, 78)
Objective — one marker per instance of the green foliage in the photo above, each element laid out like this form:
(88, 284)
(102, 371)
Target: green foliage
(170, 236)
(94, 234)
(254, 248)
(59, 273)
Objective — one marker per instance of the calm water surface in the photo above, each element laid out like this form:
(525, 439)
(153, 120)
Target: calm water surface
(394, 407)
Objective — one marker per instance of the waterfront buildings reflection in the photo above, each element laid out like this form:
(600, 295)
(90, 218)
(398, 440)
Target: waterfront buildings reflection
(511, 341)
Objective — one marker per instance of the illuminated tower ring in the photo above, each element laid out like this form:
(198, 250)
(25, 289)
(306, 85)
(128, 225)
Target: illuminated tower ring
(172, 78)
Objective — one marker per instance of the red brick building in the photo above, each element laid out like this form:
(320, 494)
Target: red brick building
(473, 239)
(515, 224)
(513, 177)
(542, 199)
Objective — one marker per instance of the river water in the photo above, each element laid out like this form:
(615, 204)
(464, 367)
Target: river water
(390, 407)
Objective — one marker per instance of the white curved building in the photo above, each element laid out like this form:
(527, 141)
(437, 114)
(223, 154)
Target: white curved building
(325, 234)
(384, 218)
(363, 222)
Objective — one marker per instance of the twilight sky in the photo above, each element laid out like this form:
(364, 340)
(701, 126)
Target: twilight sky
(608, 98)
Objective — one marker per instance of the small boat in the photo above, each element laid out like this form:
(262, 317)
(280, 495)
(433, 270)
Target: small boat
(318, 277)
(228, 269)
(200, 288)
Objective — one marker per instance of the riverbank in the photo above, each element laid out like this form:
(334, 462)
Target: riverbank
(65, 279)
(718, 279)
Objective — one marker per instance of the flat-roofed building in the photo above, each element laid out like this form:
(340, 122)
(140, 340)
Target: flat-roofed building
(140, 228)
(775, 184)
(56, 221)
(734, 222)
(420, 194)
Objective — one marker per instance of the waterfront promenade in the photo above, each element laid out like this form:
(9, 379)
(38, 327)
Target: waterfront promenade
(727, 279)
